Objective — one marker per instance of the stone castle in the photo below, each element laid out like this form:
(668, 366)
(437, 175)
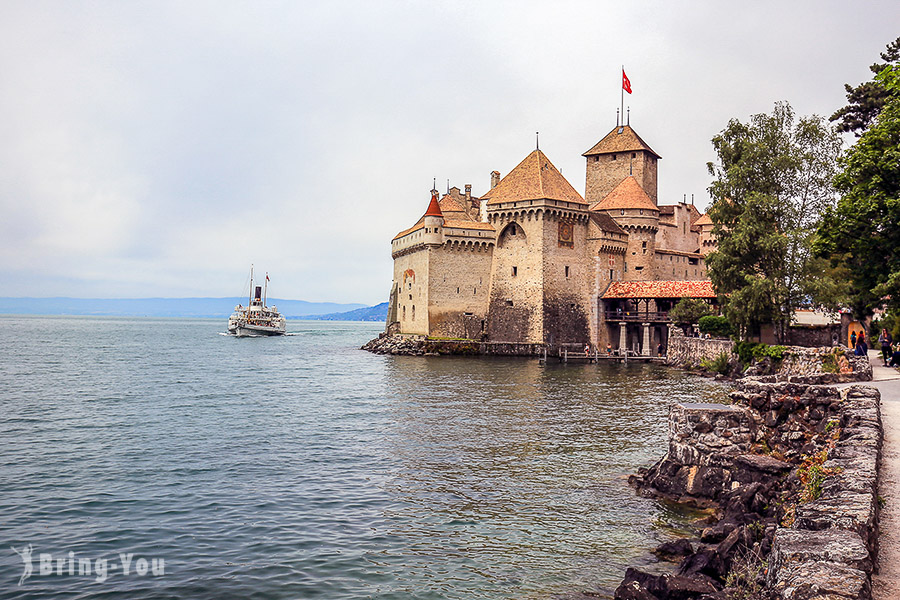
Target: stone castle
(532, 261)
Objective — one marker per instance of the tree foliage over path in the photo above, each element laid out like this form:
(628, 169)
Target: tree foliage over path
(863, 230)
(866, 100)
(773, 180)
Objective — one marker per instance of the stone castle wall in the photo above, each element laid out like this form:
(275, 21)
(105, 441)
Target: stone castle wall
(459, 290)
(675, 231)
(568, 273)
(517, 280)
(603, 173)
(678, 267)
(411, 284)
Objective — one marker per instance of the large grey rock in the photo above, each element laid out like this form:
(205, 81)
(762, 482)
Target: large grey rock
(819, 581)
(832, 545)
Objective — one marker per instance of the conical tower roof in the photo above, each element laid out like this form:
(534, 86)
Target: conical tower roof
(434, 207)
(620, 139)
(704, 220)
(534, 178)
(628, 194)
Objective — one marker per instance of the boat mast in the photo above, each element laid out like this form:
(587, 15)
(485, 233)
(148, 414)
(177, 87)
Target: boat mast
(250, 303)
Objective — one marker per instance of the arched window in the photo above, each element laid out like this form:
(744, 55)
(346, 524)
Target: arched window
(414, 312)
(404, 313)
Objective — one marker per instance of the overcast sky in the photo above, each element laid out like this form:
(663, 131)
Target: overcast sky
(160, 148)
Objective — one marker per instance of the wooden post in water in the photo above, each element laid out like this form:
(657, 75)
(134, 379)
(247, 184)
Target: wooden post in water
(565, 355)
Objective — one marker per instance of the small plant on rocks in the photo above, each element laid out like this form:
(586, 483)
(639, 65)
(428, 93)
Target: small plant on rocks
(746, 579)
(718, 364)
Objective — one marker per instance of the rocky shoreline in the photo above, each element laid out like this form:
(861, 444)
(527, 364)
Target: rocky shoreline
(791, 468)
(412, 345)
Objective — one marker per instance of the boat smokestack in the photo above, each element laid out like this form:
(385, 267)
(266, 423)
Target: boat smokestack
(258, 294)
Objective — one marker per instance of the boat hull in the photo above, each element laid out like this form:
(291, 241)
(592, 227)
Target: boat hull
(257, 331)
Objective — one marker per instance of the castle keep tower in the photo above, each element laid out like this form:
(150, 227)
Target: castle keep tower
(541, 272)
(620, 154)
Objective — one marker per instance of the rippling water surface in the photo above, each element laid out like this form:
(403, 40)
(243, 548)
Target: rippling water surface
(301, 467)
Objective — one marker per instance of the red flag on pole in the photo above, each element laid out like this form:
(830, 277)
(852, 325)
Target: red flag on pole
(626, 84)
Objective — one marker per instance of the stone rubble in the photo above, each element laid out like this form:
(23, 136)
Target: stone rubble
(406, 345)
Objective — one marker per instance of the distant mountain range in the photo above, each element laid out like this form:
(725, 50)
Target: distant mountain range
(369, 313)
(187, 307)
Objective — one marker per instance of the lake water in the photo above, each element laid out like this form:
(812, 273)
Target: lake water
(301, 467)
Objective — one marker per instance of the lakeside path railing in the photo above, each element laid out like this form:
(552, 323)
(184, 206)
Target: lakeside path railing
(638, 317)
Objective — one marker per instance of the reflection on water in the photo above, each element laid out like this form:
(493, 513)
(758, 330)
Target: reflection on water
(300, 467)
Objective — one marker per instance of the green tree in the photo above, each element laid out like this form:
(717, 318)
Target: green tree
(772, 181)
(863, 230)
(866, 100)
(689, 311)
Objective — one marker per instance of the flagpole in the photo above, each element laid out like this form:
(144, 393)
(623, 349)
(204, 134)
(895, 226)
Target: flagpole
(622, 93)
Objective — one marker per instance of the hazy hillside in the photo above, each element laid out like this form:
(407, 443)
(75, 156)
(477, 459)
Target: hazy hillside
(369, 313)
(161, 307)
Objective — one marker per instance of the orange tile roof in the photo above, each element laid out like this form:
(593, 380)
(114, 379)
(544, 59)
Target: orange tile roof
(703, 220)
(627, 141)
(466, 224)
(448, 204)
(534, 178)
(695, 214)
(628, 194)
(420, 224)
(660, 289)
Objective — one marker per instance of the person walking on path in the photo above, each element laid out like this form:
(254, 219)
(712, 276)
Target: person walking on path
(886, 340)
(853, 339)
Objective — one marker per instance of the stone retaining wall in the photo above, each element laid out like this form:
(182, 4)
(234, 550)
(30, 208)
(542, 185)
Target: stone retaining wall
(830, 550)
(798, 361)
(685, 351)
(754, 459)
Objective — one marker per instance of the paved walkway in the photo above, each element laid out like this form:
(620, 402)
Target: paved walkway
(887, 380)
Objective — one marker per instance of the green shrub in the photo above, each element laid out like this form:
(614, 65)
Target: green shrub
(750, 351)
(715, 326)
(718, 364)
(776, 353)
(744, 350)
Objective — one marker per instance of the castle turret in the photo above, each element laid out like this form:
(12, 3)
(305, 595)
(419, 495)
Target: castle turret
(707, 239)
(633, 210)
(541, 272)
(434, 221)
(622, 153)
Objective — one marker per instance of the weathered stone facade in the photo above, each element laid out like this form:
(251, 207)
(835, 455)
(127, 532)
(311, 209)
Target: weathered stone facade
(532, 261)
